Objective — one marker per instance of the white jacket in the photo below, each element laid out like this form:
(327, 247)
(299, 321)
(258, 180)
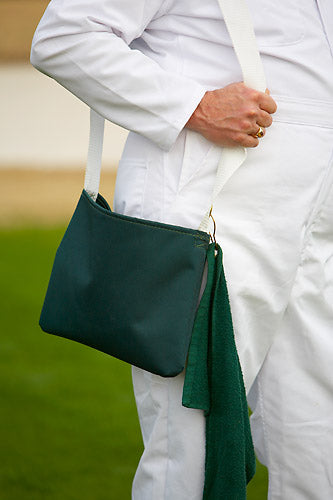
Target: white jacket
(145, 65)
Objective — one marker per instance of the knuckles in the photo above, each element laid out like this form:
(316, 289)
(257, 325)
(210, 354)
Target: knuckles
(252, 113)
(246, 125)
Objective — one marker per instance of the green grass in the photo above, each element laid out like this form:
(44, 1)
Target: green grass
(68, 423)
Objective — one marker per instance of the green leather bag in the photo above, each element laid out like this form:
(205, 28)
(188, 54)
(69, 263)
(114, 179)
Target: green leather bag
(126, 286)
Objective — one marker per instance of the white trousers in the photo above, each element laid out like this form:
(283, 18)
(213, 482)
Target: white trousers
(275, 220)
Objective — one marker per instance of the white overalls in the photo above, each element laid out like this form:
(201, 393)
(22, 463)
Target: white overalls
(274, 216)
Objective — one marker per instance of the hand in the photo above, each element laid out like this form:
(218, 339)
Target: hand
(231, 116)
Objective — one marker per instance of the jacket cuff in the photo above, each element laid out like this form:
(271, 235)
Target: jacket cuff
(167, 138)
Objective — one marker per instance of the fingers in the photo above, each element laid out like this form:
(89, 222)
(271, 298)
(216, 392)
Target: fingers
(258, 115)
(264, 119)
(261, 118)
(250, 142)
(247, 140)
(263, 100)
(266, 102)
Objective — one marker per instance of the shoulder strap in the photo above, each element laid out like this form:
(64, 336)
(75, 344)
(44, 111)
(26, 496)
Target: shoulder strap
(94, 158)
(239, 24)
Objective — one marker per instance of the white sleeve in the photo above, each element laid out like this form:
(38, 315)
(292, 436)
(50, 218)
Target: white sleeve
(84, 45)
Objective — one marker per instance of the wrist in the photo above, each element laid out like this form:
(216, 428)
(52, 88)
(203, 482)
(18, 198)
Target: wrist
(196, 118)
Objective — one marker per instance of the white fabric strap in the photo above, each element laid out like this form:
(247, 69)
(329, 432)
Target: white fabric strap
(239, 24)
(240, 27)
(95, 151)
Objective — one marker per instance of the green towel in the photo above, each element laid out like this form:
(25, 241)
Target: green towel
(214, 383)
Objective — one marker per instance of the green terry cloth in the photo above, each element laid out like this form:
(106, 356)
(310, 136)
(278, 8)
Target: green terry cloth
(214, 383)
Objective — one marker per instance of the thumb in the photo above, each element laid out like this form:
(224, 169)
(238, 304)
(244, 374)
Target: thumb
(267, 91)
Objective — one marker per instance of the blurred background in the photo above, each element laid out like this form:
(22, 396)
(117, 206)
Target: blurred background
(43, 129)
(68, 423)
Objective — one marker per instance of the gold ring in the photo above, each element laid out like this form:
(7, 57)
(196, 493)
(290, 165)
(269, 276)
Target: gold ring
(260, 133)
